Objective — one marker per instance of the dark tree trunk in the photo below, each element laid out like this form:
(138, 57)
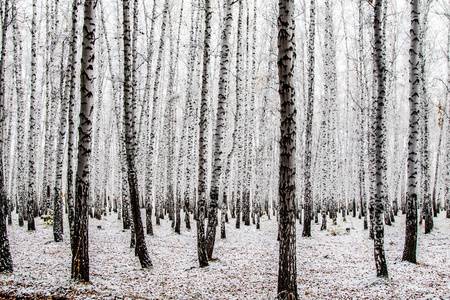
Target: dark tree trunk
(6, 263)
(287, 273)
(80, 253)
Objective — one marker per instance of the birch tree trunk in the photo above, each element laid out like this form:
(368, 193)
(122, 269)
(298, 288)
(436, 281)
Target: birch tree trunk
(130, 140)
(309, 123)
(145, 118)
(447, 174)
(425, 163)
(437, 170)
(52, 96)
(380, 139)
(239, 114)
(363, 109)
(71, 85)
(218, 158)
(6, 263)
(21, 143)
(80, 252)
(32, 195)
(287, 273)
(58, 188)
(409, 251)
(180, 150)
(150, 176)
(202, 142)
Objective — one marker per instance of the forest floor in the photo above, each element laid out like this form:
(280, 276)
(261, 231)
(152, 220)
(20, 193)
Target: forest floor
(332, 264)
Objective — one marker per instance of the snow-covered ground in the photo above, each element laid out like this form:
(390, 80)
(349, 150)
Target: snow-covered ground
(329, 266)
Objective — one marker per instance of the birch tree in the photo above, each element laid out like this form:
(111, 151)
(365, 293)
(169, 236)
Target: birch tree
(202, 141)
(287, 272)
(180, 152)
(309, 123)
(380, 135)
(130, 140)
(58, 188)
(425, 147)
(32, 149)
(218, 158)
(80, 251)
(409, 251)
(238, 134)
(447, 175)
(362, 118)
(71, 85)
(21, 143)
(6, 263)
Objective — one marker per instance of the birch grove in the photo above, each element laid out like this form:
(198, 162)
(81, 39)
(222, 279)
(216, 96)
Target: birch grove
(191, 115)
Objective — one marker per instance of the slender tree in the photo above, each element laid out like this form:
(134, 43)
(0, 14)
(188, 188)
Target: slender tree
(362, 118)
(220, 128)
(71, 85)
(80, 251)
(6, 263)
(380, 134)
(33, 130)
(425, 132)
(145, 118)
(447, 167)
(202, 142)
(238, 134)
(180, 152)
(130, 139)
(58, 187)
(409, 251)
(309, 122)
(21, 166)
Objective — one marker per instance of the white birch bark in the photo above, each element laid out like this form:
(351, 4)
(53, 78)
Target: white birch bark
(130, 140)
(80, 254)
(202, 142)
(218, 157)
(32, 195)
(309, 123)
(409, 251)
(21, 143)
(380, 135)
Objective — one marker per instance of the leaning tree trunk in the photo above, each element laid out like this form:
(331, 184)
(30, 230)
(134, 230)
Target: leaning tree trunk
(309, 124)
(380, 139)
(130, 136)
(219, 131)
(409, 252)
(287, 273)
(6, 263)
(202, 142)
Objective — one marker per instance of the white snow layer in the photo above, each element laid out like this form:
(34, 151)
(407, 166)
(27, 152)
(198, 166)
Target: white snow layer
(332, 264)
